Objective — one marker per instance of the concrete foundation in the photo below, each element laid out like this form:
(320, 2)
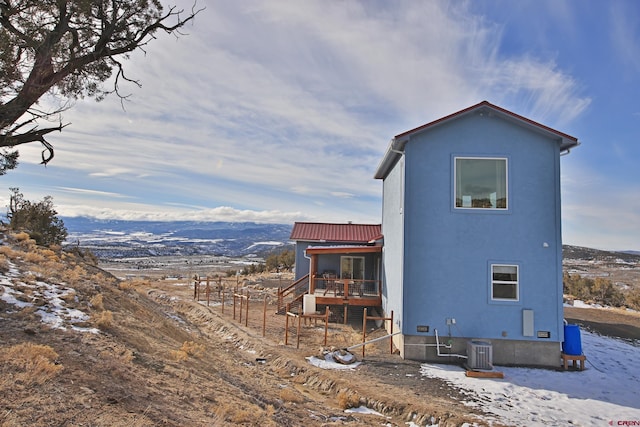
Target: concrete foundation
(505, 352)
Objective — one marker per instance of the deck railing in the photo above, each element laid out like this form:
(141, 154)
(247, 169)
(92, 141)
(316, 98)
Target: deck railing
(348, 287)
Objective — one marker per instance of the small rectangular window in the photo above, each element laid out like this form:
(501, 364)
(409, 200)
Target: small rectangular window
(504, 282)
(480, 183)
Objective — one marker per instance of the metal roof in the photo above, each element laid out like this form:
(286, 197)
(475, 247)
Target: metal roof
(324, 232)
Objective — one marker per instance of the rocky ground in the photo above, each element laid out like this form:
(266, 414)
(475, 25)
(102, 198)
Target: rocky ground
(160, 357)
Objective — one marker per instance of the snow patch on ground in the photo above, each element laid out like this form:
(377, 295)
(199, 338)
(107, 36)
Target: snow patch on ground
(329, 363)
(50, 298)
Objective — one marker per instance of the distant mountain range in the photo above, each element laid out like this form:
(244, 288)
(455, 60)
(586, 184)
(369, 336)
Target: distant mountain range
(111, 239)
(579, 252)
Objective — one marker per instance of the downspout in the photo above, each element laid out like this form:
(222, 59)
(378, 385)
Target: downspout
(304, 254)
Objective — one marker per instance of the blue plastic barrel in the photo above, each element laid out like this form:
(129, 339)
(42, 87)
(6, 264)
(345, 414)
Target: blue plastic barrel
(572, 344)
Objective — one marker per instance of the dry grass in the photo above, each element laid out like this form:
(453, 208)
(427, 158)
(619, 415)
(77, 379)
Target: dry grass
(291, 395)
(229, 413)
(9, 252)
(4, 264)
(73, 276)
(134, 284)
(103, 319)
(188, 349)
(34, 257)
(35, 363)
(97, 302)
(348, 399)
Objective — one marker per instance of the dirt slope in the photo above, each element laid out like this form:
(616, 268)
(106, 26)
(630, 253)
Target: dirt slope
(161, 358)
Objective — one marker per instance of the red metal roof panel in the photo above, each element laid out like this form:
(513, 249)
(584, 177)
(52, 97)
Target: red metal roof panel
(324, 232)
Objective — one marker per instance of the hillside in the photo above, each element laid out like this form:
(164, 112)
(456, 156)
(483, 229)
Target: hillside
(79, 347)
(621, 268)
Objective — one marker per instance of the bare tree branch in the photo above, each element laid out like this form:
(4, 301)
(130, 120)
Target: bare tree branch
(74, 47)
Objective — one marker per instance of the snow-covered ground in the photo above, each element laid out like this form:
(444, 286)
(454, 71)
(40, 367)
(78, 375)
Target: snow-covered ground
(607, 392)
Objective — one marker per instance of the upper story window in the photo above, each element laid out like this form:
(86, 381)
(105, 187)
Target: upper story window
(480, 183)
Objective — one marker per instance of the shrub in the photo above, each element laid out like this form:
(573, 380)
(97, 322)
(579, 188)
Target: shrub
(39, 220)
(599, 290)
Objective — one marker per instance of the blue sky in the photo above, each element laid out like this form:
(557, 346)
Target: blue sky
(281, 111)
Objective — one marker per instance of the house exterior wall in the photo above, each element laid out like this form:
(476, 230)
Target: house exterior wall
(331, 262)
(393, 250)
(448, 251)
(302, 263)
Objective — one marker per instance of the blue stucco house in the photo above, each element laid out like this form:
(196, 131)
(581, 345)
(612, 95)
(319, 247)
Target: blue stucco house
(472, 237)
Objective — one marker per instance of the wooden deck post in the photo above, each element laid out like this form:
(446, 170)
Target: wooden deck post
(346, 313)
(326, 324)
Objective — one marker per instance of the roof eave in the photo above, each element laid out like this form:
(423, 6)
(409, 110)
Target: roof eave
(395, 150)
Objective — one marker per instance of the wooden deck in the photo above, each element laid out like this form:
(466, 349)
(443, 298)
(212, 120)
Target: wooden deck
(339, 292)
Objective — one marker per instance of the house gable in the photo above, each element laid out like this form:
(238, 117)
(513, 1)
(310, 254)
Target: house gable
(397, 145)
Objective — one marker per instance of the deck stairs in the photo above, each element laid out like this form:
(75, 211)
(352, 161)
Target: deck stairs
(292, 295)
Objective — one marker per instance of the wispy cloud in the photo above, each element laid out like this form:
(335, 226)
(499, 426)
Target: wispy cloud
(625, 34)
(281, 109)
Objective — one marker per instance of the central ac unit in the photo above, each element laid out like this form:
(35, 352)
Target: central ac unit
(479, 355)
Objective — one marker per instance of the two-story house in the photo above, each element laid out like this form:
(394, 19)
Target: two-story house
(472, 236)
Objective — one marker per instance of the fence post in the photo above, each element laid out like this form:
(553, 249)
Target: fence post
(246, 317)
(195, 287)
(391, 332)
(286, 325)
(208, 291)
(298, 331)
(364, 329)
(222, 299)
(264, 317)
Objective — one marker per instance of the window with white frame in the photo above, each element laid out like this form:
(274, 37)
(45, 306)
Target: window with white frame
(504, 282)
(480, 183)
(352, 267)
